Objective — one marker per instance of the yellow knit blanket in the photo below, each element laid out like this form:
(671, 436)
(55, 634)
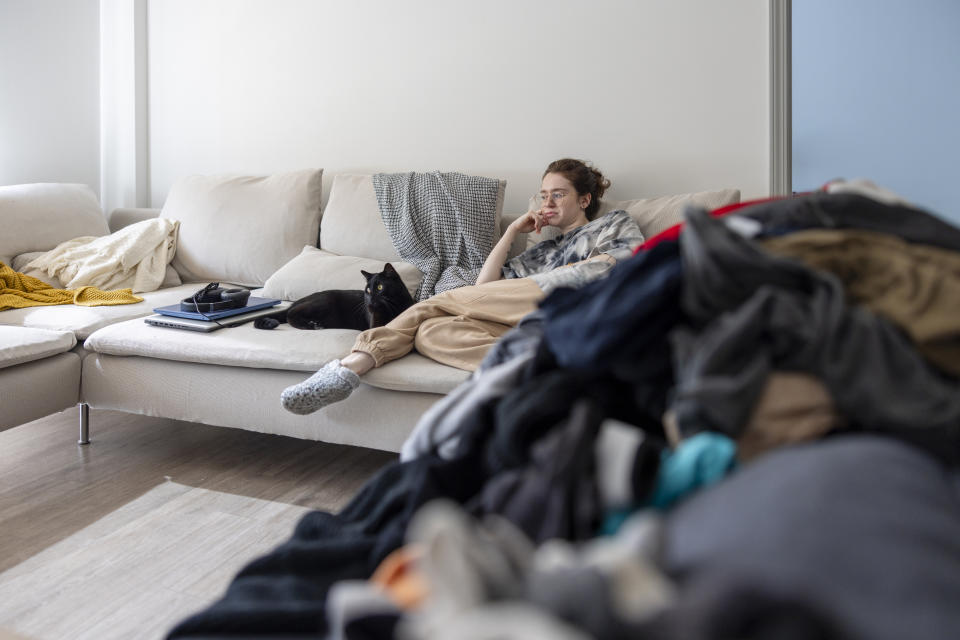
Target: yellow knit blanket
(18, 290)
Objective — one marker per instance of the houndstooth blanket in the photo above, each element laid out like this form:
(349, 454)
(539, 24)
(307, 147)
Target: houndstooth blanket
(442, 223)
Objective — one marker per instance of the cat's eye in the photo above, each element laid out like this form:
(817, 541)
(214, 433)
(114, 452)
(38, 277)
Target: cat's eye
(379, 287)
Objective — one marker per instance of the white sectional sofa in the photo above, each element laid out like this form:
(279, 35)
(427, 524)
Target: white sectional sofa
(258, 232)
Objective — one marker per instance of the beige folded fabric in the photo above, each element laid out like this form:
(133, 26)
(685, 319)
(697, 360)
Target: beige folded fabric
(793, 408)
(135, 257)
(914, 286)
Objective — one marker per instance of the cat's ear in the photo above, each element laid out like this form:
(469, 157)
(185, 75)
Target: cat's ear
(366, 275)
(388, 268)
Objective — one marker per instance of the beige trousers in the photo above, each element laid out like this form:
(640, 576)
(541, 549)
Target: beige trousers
(456, 327)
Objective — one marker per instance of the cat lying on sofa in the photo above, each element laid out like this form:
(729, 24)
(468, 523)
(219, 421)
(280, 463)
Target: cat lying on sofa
(382, 300)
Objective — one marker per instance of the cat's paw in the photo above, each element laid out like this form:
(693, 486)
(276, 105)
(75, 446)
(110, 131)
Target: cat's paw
(266, 323)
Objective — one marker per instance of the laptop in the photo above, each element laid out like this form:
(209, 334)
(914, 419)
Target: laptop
(205, 326)
(252, 305)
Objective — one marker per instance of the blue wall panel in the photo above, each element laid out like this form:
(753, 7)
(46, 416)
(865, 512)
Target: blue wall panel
(876, 94)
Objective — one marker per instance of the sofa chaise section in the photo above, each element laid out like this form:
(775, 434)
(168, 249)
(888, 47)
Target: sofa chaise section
(233, 378)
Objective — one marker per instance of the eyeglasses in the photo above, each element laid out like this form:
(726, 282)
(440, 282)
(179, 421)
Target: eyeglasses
(556, 196)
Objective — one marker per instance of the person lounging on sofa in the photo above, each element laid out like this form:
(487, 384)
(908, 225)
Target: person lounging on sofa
(261, 232)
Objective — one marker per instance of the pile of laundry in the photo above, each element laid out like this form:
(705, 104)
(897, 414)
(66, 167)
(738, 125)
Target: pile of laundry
(750, 429)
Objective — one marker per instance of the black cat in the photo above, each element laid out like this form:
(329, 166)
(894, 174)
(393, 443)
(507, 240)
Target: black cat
(380, 302)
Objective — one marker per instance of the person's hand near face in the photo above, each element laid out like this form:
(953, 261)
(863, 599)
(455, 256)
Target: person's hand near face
(530, 221)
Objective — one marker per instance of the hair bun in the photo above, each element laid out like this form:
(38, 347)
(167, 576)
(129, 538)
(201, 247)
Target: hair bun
(602, 183)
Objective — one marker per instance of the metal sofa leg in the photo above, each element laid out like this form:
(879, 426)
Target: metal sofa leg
(84, 423)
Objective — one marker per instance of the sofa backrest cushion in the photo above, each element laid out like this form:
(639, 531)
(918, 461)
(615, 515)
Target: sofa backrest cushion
(352, 226)
(658, 214)
(318, 270)
(38, 217)
(241, 229)
(653, 214)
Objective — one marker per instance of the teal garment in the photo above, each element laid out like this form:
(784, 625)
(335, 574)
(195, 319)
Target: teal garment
(613, 519)
(699, 461)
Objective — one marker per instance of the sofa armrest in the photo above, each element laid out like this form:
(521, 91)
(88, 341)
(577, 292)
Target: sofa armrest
(120, 218)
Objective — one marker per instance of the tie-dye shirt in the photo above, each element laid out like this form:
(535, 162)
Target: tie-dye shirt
(615, 234)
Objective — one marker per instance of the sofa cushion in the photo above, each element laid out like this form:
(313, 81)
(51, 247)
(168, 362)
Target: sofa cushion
(283, 348)
(318, 270)
(657, 214)
(241, 229)
(21, 344)
(352, 226)
(414, 372)
(85, 320)
(38, 217)
(652, 214)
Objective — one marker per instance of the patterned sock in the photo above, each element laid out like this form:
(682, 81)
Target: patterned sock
(332, 383)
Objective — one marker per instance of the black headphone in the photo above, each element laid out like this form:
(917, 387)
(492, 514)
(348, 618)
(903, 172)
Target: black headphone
(212, 298)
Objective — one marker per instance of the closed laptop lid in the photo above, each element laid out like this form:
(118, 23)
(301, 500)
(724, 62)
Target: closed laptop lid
(191, 324)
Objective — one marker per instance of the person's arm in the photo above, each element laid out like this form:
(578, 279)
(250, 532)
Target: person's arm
(493, 266)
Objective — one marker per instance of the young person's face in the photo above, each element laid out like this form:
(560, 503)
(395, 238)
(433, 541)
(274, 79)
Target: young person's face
(560, 204)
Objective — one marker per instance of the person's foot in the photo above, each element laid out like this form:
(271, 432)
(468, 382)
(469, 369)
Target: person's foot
(332, 383)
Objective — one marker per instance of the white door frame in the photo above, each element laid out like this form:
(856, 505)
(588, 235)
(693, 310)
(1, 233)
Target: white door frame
(780, 99)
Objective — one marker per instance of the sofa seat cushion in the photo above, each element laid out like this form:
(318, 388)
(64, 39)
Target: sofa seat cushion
(20, 344)
(283, 348)
(85, 320)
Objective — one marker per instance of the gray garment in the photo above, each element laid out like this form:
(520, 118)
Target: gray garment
(615, 234)
(609, 586)
(573, 276)
(442, 223)
(501, 371)
(759, 312)
(437, 429)
(465, 564)
(616, 452)
(555, 494)
(606, 587)
(349, 600)
(507, 620)
(862, 526)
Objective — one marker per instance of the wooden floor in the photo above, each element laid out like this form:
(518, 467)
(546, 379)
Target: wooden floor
(50, 487)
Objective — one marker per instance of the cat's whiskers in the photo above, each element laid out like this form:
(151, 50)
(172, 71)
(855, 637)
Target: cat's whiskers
(363, 310)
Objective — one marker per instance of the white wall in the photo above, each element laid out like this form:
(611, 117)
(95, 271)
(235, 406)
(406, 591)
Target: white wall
(664, 97)
(49, 92)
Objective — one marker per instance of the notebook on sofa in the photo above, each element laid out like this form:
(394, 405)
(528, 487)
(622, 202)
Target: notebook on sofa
(205, 326)
(253, 304)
